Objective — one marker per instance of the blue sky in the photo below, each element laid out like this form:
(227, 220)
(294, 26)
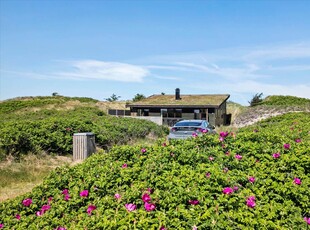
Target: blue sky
(96, 48)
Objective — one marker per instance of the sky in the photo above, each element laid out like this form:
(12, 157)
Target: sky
(97, 48)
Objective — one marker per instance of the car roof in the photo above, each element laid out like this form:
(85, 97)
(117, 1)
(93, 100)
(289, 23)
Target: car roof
(191, 121)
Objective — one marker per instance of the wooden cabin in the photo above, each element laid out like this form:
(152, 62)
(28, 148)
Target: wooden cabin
(172, 108)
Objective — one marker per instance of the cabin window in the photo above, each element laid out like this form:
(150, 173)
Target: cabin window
(178, 113)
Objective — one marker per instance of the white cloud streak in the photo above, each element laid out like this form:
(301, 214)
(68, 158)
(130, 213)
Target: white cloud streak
(92, 69)
(115, 71)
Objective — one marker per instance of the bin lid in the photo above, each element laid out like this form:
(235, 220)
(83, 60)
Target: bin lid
(83, 134)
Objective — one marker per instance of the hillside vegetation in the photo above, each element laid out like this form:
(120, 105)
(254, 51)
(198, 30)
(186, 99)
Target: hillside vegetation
(36, 124)
(256, 178)
(269, 107)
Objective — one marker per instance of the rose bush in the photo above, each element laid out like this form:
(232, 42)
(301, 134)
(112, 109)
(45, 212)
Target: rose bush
(175, 185)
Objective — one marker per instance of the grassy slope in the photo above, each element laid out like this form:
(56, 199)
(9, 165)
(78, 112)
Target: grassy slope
(19, 177)
(271, 106)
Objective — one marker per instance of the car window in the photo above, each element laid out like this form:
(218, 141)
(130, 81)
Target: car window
(189, 123)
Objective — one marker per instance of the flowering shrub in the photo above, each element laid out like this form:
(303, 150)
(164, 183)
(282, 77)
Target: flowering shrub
(176, 186)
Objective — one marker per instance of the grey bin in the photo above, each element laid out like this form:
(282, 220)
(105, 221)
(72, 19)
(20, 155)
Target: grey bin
(83, 145)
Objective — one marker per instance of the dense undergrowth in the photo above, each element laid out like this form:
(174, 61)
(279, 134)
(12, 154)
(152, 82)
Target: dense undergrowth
(257, 178)
(30, 126)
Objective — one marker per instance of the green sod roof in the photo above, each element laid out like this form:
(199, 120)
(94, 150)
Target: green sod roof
(205, 100)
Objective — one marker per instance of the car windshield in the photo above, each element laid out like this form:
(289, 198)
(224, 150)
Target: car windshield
(188, 123)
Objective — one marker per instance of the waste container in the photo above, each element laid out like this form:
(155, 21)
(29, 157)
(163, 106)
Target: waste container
(83, 145)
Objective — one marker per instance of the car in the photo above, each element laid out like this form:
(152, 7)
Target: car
(190, 128)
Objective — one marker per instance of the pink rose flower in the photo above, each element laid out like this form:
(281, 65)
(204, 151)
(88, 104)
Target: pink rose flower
(224, 134)
(225, 170)
(45, 207)
(228, 190)
(130, 207)
(211, 158)
(194, 227)
(238, 157)
(307, 219)
(208, 175)
(194, 135)
(252, 179)
(276, 155)
(124, 166)
(149, 206)
(90, 209)
(287, 146)
(193, 202)
(146, 197)
(27, 202)
(38, 213)
(117, 196)
(17, 216)
(65, 191)
(67, 197)
(1, 225)
(221, 139)
(162, 228)
(297, 181)
(143, 150)
(250, 202)
(43, 210)
(298, 140)
(60, 228)
(84, 193)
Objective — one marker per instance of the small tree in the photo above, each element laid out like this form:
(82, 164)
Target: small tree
(138, 97)
(113, 98)
(55, 94)
(256, 100)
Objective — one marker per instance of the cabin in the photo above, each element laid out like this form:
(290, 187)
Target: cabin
(176, 107)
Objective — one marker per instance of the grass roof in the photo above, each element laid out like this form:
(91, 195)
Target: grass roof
(186, 100)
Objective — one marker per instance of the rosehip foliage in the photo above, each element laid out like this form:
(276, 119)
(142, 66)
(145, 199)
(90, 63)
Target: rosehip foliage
(174, 178)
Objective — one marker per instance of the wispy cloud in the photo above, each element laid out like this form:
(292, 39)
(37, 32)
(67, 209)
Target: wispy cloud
(239, 63)
(92, 69)
(115, 71)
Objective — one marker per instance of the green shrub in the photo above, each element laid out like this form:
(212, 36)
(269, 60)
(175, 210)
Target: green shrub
(285, 101)
(186, 181)
(52, 130)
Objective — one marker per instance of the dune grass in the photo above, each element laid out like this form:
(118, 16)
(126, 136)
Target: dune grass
(20, 176)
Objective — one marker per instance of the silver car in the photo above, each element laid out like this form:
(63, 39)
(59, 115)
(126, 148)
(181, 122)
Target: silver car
(190, 128)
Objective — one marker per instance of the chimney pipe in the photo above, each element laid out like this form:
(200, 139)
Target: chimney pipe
(177, 94)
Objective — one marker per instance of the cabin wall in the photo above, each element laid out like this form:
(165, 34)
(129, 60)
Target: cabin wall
(215, 116)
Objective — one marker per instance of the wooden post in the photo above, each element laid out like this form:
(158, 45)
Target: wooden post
(83, 145)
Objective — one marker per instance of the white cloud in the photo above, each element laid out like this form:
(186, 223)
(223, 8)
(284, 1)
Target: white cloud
(115, 71)
(91, 69)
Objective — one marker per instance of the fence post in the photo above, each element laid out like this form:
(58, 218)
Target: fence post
(83, 145)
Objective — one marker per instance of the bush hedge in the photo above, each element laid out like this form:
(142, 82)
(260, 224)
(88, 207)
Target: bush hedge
(51, 130)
